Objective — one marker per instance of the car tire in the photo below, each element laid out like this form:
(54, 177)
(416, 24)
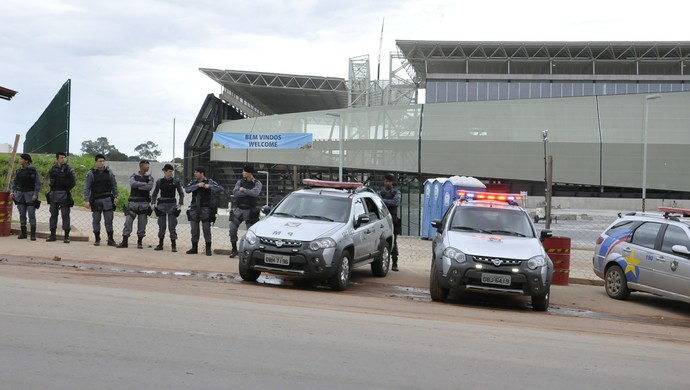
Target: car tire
(249, 275)
(380, 266)
(615, 283)
(438, 293)
(541, 302)
(341, 279)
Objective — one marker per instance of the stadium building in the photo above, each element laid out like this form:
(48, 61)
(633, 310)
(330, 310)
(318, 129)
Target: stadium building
(607, 107)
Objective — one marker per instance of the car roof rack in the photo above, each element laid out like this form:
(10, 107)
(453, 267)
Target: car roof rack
(666, 214)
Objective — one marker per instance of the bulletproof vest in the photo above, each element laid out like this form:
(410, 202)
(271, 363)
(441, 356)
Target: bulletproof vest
(26, 179)
(137, 194)
(167, 187)
(389, 195)
(247, 202)
(101, 182)
(202, 196)
(60, 178)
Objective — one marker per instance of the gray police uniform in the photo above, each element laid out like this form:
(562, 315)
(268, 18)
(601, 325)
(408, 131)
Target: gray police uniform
(62, 180)
(245, 206)
(26, 184)
(392, 200)
(100, 188)
(200, 209)
(139, 204)
(167, 205)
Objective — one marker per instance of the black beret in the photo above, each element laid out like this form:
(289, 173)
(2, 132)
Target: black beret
(25, 156)
(389, 176)
(200, 169)
(168, 167)
(248, 168)
(144, 161)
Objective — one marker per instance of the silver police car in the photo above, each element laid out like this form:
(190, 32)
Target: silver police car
(486, 242)
(647, 252)
(320, 233)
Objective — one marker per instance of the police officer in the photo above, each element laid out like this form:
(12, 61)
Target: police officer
(245, 193)
(138, 204)
(202, 209)
(166, 210)
(101, 197)
(62, 180)
(391, 198)
(25, 189)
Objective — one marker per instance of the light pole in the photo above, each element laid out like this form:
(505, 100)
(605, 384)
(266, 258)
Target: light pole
(647, 98)
(340, 144)
(266, 173)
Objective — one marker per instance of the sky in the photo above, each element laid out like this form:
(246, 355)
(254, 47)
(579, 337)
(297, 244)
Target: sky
(134, 64)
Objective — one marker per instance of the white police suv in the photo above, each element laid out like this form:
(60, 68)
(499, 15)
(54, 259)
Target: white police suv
(320, 233)
(487, 242)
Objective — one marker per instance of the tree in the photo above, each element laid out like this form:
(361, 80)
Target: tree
(148, 151)
(99, 146)
(116, 155)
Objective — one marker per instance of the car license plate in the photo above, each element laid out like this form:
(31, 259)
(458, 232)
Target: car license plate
(503, 280)
(276, 259)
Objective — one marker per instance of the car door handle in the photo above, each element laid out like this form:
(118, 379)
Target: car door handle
(661, 259)
(627, 250)
(367, 231)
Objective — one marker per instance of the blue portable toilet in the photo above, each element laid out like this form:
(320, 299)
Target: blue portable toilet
(467, 183)
(448, 193)
(425, 226)
(437, 202)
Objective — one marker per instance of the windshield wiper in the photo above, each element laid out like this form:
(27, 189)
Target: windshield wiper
(512, 233)
(288, 214)
(320, 217)
(467, 228)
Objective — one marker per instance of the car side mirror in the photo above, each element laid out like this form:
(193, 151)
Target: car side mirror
(546, 233)
(436, 224)
(681, 249)
(265, 209)
(362, 219)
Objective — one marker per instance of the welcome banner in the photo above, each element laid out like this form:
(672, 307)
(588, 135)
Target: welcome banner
(262, 141)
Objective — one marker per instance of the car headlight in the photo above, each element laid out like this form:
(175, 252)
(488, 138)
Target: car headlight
(250, 237)
(536, 261)
(322, 243)
(455, 254)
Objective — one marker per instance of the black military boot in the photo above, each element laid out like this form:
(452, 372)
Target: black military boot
(194, 250)
(208, 249)
(159, 247)
(51, 237)
(22, 234)
(140, 245)
(97, 239)
(233, 252)
(395, 265)
(173, 245)
(33, 233)
(124, 244)
(111, 240)
(65, 239)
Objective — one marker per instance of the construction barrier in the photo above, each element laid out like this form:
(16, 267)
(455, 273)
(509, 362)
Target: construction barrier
(558, 249)
(5, 214)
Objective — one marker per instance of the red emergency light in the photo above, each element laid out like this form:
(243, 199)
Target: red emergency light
(675, 210)
(499, 197)
(331, 184)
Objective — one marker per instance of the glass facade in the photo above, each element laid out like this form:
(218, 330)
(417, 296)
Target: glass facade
(447, 91)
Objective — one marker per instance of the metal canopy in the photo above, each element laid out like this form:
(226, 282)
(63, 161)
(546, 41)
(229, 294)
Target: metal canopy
(417, 53)
(6, 93)
(258, 94)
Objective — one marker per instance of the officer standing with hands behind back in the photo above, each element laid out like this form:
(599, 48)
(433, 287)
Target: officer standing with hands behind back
(139, 206)
(168, 208)
(101, 197)
(62, 180)
(246, 192)
(391, 198)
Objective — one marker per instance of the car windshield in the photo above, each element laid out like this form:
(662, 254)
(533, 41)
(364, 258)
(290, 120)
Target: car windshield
(492, 221)
(325, 208)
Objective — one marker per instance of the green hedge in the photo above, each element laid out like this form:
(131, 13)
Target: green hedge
(43, 162)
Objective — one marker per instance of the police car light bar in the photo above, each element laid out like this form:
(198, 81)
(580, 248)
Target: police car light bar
(499, 197)
(331, 184)
(675, 210)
